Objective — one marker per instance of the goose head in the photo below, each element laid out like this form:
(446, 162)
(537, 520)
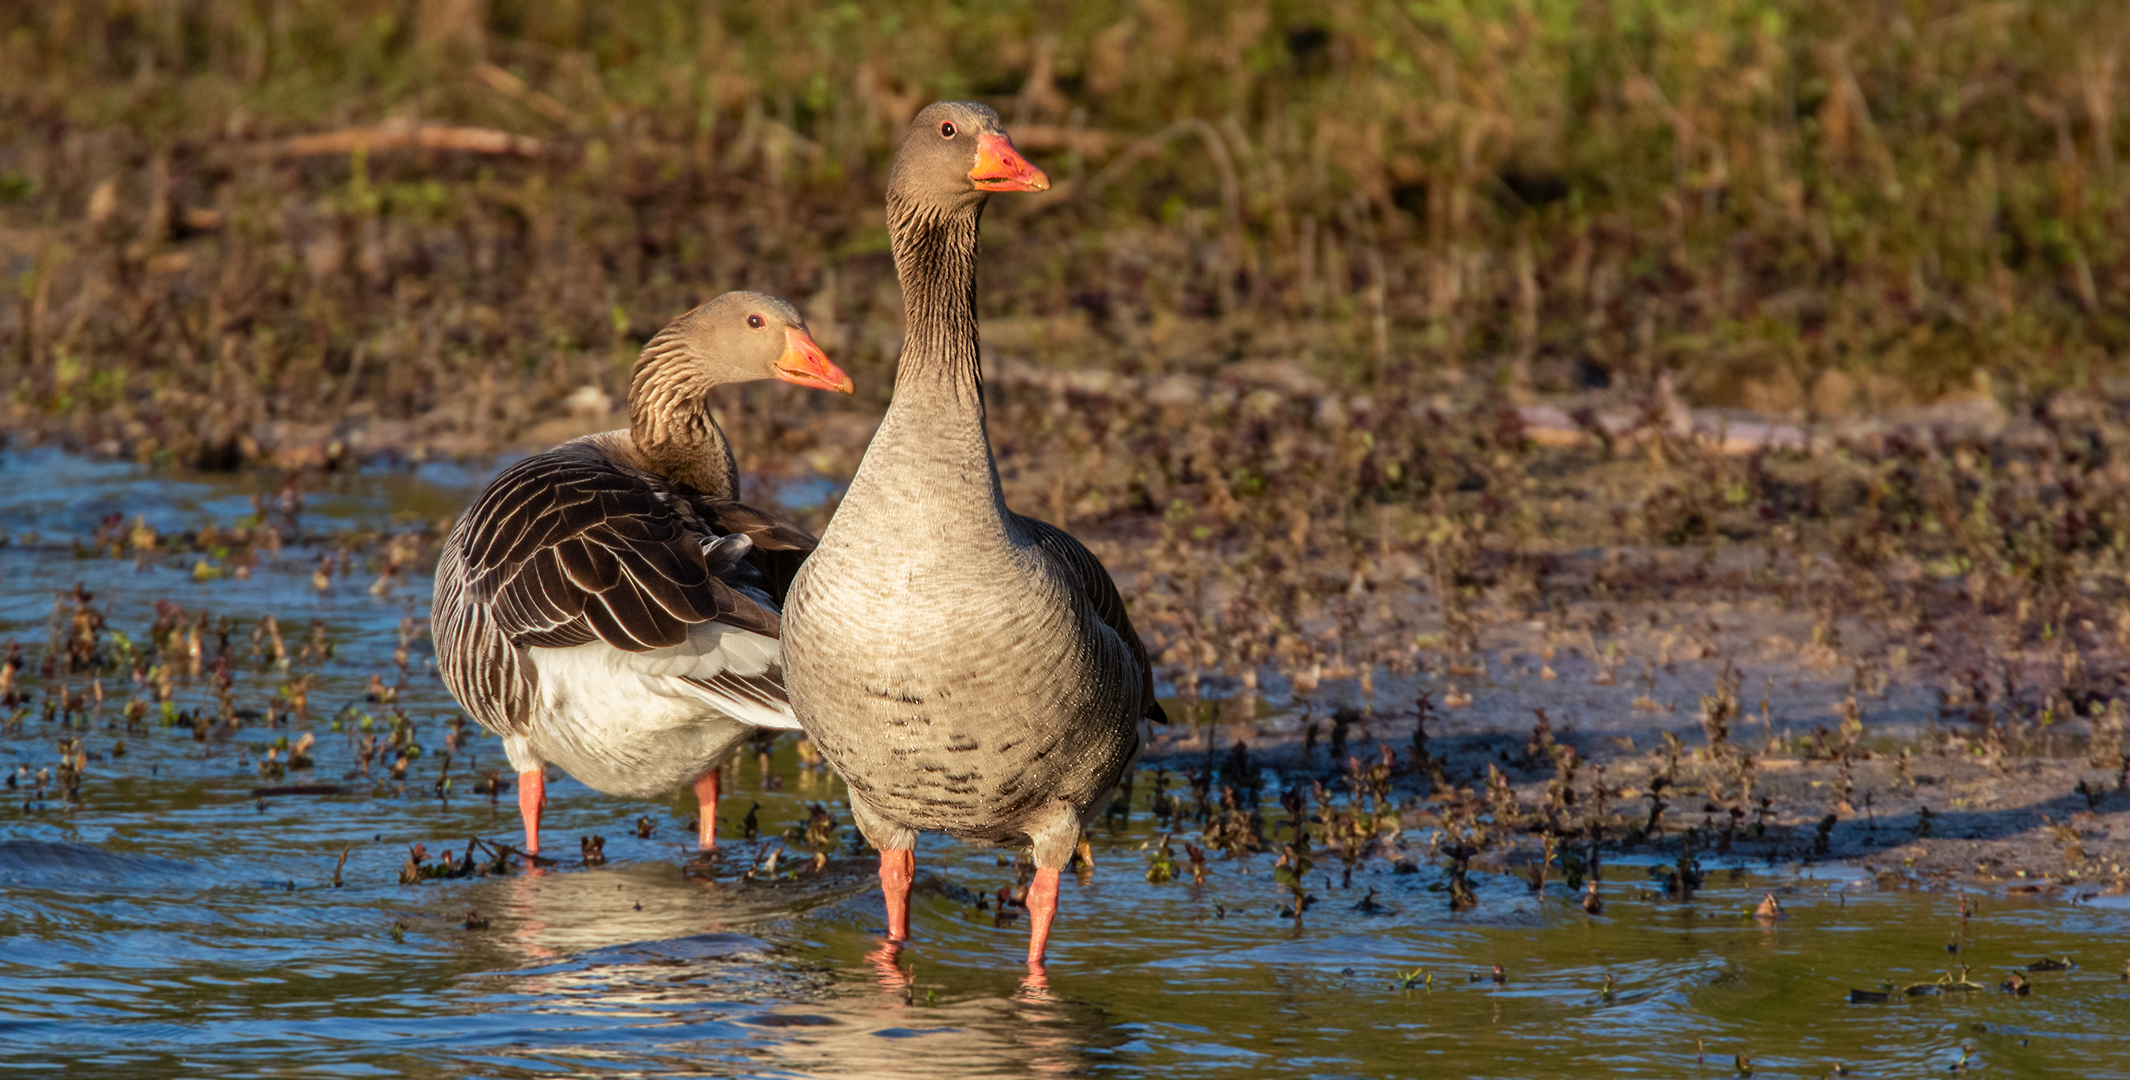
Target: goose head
(738, 337)
(955, 153)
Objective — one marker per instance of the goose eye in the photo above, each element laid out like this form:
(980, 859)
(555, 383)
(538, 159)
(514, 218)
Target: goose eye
(946, 130)
(755, 322)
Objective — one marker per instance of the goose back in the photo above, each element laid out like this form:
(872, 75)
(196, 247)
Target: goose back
(573, 547)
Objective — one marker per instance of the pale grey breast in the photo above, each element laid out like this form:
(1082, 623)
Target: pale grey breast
(969, 686)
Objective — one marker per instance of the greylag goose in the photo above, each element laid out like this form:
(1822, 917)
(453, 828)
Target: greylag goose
(606, 606)
(980, 679)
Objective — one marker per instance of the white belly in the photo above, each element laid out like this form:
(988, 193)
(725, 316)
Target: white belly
(631, 724)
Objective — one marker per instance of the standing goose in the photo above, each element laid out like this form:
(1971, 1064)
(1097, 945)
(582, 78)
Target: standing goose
(978, 677)
(606, 606)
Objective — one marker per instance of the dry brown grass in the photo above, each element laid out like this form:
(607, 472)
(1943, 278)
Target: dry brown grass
(223, 217)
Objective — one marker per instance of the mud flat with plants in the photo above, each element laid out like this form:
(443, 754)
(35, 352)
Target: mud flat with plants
(1603, 729)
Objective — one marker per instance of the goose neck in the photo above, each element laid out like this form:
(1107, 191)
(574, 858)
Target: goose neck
(674, 434)
(935, 260)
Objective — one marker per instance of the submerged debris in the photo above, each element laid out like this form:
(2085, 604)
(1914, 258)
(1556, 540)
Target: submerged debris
(412, 872)
(1161, 864)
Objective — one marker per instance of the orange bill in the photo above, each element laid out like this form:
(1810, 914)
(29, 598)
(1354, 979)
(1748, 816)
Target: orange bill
(804, 363)
(999, 167)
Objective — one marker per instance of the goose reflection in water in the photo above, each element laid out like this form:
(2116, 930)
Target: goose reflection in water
(594, 959)
(892, 1032)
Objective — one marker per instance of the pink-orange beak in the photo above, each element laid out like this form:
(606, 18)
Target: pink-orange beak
(804, 363)
(999, 167)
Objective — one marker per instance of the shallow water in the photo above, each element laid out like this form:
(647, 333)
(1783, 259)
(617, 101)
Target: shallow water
(173, 922)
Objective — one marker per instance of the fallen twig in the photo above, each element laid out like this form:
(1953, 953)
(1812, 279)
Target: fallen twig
(473, 140)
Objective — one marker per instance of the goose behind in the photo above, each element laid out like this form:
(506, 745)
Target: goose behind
(978, 676)
(608, 606)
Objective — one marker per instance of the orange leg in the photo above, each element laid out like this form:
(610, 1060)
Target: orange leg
(532, 799)
(706, 796)
(896, 870)
(1042, 908)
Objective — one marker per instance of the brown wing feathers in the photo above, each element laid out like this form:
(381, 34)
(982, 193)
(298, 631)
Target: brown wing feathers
(779, 546)
(482, 668)
(765, 690)
(1101, 593)
(567, 546)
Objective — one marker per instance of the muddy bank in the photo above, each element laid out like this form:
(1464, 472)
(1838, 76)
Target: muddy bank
(2050, 827)
(1921, 616)
(1699, 730)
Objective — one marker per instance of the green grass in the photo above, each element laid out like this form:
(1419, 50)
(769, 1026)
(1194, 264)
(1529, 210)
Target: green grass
(1800, 207)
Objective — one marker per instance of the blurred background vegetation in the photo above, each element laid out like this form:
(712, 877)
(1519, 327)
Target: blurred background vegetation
(229, 223)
